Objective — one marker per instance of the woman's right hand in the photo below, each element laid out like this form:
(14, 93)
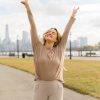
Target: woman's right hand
(75, 11)
(25, 2)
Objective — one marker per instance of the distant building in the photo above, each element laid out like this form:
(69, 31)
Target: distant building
(82, 41)
(75, 44)
(79, 42)
(24, 43)
(99, 43)
(7, 38)
(6, 44)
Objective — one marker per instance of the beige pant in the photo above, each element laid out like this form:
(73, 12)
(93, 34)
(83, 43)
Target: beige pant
(48, 90)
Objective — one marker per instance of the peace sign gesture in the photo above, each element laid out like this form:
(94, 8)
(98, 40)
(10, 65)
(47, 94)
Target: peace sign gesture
(75, 11)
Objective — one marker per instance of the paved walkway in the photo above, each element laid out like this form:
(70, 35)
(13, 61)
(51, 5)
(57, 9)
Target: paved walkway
(18, 85)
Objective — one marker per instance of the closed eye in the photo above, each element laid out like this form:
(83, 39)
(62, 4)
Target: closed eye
(54, 33)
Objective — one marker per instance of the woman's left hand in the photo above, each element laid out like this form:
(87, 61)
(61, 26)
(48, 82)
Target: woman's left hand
(74, 11)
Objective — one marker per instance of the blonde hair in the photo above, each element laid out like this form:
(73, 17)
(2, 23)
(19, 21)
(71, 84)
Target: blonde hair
(58, 38)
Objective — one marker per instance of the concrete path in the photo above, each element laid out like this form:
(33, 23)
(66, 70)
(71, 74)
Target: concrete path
(18, 85)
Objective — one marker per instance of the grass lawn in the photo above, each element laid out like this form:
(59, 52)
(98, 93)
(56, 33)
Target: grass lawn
(82, 75)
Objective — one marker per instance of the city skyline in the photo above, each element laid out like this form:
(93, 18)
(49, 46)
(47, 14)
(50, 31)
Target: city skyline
(24, 44)
(25, 38)
(51, 14)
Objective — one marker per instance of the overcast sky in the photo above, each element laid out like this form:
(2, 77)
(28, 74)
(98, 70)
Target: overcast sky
(51, 13)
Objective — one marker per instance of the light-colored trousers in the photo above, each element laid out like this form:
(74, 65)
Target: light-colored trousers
(48, 90)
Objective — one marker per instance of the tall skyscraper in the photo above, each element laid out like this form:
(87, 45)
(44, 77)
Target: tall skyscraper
(7, 38)
(25, 42)
(7, 32)
(25, 38)
(6, 42)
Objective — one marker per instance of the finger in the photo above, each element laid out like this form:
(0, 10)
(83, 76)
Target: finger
(77, 8)
(23, 2)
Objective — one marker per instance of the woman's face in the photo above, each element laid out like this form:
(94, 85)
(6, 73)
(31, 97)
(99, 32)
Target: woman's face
(51, 35)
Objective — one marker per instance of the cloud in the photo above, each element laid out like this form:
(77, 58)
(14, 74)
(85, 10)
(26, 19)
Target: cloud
(57, 7)
(8, 7)
(54, 13)
(84, 2)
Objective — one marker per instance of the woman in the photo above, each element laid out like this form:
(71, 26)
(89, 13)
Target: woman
(48, 59)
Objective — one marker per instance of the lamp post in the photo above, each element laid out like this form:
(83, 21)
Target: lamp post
(70, 48)
(17, 47)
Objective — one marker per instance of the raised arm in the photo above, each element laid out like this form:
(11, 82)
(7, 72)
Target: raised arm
(34, 36)
(68, 28)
